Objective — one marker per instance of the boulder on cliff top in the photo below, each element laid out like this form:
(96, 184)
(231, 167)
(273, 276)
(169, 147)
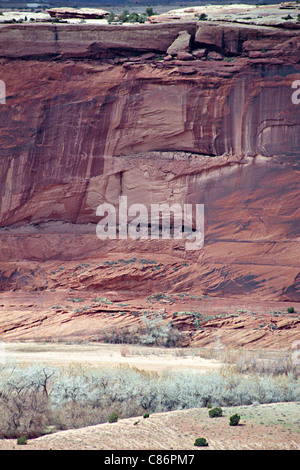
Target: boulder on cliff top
(199, 53)
(184, 56)
(288, 5)
(213, 55)
(83, 13)
(181, 44)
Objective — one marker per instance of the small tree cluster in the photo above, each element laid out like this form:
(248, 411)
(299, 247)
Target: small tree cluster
(34, 397)
(152, 331)
(133, 17)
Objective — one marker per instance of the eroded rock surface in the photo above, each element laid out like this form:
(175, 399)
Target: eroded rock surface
(95, 113)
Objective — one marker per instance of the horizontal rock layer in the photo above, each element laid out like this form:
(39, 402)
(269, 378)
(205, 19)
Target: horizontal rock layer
(93, 41)
(86, 41)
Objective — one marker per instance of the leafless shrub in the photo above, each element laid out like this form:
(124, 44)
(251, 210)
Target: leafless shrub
(23, 413)
(124, 351)
(152, 331)
(75, 415)
(262, 363)
(119, 335)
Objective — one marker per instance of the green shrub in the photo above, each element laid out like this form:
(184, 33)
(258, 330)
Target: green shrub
(133, 17)
(201, 442)
(290, 309)
(113, 417)
(215, 412)
(203, 17)
(111, 17)
(124, 16)
(234, 420)
(146, 415)
(22, 440)
(149, 12)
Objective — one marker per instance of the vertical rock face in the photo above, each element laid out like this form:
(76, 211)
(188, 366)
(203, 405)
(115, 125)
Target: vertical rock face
(226, 134)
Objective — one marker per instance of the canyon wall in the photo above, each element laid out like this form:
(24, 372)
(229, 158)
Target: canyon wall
(93, 113)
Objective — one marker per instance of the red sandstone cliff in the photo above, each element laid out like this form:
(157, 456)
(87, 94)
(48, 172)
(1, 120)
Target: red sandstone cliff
(94, 113)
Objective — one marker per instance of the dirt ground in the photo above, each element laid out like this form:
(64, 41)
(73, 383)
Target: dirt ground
(262, 427)
(106, 355)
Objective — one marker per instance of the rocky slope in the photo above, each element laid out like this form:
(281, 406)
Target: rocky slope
(196, 112)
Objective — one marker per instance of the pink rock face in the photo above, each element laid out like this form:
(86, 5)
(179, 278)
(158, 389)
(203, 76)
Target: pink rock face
(238, 39)
(199, 53)
(184, 56)
(223, 133)
(84, 13)
(88, 41)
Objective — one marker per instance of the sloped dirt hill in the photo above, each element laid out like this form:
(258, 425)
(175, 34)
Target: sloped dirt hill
(262, 427)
